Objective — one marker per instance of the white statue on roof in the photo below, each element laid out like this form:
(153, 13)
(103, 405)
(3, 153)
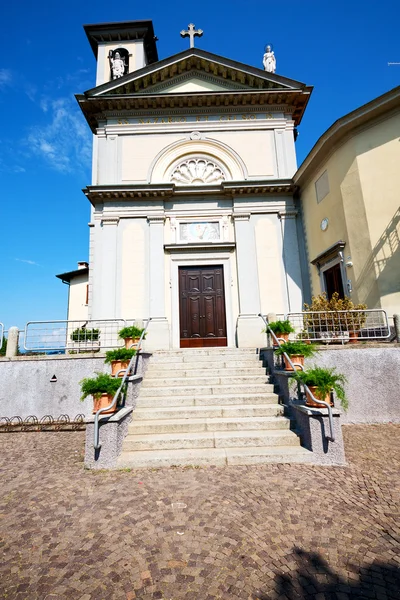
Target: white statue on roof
(117, 65)
(269, 60)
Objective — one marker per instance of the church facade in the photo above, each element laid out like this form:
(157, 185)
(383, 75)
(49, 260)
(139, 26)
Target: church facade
(194, 222)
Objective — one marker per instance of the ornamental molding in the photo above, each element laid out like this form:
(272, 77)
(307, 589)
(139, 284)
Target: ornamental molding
(197, 171)
(228, 85)
(241, 217)
(221, 110)
(109, 220)
(288, 214)
(153, 220)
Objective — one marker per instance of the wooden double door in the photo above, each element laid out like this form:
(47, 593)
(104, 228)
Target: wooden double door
(202, 307)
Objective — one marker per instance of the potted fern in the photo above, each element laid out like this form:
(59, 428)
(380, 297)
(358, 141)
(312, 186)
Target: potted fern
(281, 329)
(321, 381)
(103, 389)
(131, 335)
(297, 351)
(119, 359)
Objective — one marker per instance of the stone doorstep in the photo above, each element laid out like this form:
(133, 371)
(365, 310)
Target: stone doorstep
(219, 457)
(206, 412)
(210, 439)
(193, 358)
(218, 399)
(220, 350)
(207, 424)
(206, 390)
(198, 381)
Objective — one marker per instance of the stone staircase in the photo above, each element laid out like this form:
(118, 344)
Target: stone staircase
(210, 406)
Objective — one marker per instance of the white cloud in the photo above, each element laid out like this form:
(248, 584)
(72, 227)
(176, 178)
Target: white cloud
(28, 262)
(65, 142)
(5, 77)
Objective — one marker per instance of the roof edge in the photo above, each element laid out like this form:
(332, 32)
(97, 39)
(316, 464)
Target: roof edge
(385, 104)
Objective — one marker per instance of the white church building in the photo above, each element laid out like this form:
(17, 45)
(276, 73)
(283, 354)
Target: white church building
(194, 219)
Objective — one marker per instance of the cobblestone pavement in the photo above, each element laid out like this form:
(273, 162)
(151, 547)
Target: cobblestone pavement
(273, 531)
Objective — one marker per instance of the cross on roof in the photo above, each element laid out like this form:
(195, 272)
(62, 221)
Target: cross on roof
(191, 33)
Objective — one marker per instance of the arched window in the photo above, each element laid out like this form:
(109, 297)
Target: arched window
(197, 170)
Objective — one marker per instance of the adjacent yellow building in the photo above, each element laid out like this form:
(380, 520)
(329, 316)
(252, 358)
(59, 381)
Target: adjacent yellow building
(349, 193)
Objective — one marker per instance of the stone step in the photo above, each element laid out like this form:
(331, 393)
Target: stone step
(219, 457)
(198, 358)
(217, 399)
(206, 351)
(207, 412)
(187, 366)
(207, 424)
(200, 381)
(154, 372)
(205, 390)
(210, 439)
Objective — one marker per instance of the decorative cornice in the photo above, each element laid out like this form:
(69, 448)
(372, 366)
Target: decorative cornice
(331, 252)
(111, 193)
(109, 220)
(241, 216)
(154, 219)
(212, 247)
(288, 214)
(290, 101)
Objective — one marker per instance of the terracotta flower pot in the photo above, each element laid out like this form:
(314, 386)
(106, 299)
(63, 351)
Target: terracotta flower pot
(297, 358)
(353, 337)
(117, 365)
(131, 342)
(281, 336)
(102, 402)
(310, 402)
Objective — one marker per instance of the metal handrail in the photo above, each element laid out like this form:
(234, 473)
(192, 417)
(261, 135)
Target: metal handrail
(306, 388)
(135, 358)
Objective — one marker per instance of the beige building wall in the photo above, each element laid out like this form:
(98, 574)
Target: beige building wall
(362, 208)
(77, 303)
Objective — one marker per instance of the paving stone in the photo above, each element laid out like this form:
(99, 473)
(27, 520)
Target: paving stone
(239, 532)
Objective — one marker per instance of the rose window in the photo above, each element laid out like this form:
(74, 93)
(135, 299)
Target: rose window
(197, 171)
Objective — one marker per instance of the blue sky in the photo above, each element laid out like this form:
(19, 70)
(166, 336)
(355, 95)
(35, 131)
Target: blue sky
(341, 48)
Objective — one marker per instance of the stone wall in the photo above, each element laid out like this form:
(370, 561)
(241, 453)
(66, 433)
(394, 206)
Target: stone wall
(26, 389)
(373, 380)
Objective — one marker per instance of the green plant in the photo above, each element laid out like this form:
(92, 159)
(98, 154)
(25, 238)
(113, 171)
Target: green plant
(3, 347)
(330, 319)
(295, 349)
(325, 380)
(131, 332)
(122, 354)
(81, 334)
(279, 327)
(102, 384)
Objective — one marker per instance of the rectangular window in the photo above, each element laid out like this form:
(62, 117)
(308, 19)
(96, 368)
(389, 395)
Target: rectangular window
(334, 281)
(322, 186)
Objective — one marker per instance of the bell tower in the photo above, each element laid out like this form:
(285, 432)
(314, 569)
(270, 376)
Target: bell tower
(121, 48)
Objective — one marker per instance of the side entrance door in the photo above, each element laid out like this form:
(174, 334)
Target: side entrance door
(202, 307)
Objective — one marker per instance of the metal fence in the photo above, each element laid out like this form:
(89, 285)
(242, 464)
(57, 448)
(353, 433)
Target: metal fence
(1, 334)
(340, 326)
(73, 337)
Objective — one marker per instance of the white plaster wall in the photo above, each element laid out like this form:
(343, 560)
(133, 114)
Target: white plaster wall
(134, 276)
(77, 307)
(194, 85)
(139, 151)
(255, 148)
(270, 264)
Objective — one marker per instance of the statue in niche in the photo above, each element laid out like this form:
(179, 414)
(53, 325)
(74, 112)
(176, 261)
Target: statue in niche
(118, 62)
(269, 60)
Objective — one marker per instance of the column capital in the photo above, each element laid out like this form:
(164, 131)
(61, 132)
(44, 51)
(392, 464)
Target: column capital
(241, 216)
(153, 219)
(288, 214)
(109, 220)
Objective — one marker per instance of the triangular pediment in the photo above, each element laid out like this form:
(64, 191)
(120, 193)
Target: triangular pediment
(191, 71)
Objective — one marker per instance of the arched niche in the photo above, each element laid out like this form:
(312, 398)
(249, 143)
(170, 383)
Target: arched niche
(208, 154)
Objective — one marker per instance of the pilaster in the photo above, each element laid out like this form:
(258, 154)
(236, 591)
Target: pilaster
(291, 260)
(158, 337)
(249, 324)
(105, 279)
